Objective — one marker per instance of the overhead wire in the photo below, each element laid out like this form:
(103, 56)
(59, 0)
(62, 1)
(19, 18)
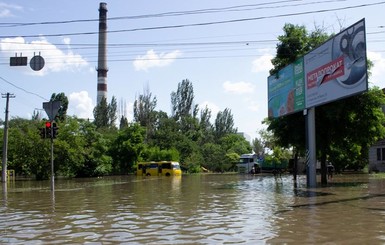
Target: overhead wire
(198, 24)
(22, 89)
(246, 7)
(120, 45)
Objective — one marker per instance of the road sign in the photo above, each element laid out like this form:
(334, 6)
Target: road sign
(18, 61)
(37, 63)
(51, 108)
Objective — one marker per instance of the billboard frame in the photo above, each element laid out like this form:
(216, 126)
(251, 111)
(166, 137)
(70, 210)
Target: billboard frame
(334, 70)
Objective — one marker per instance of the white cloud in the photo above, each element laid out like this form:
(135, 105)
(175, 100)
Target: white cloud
(81, 104)
(152, 59)
(378, 69)
(67, 40)
(238, 87)
(213, 107)
(252, 104)
(55, 59)
(263, 63)
(125, 109)
(130, 111)
(6, 10)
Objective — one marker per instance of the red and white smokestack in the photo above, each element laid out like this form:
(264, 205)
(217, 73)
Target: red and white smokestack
(102, 54)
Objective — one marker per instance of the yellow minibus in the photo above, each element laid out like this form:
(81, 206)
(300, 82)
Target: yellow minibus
(163, 168)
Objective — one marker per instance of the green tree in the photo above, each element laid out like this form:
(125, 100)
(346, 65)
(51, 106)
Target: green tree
(36, 115)
(224, 124)
(101, 114)
(123, 122)
(126, 148)
(231, 161)
(258, 146)
(182, 101)
(350, 123)
(206, 129)
(294, 43)
(27, 153)
(69, 148)
(157, 154)
(235, 143)
(97, 161)
(193, 162)
(112, 112)
(214, 157)
(186, 146)
(145, 113)
(167, 132)
(105, 115)
(183, 109)
(233, 146)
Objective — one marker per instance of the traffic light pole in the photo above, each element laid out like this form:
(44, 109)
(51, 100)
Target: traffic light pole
(52, 108)
(52, 166)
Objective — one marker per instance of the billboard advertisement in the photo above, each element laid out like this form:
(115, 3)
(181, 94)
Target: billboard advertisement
(334, 70)
(337, 68)
(286, 90)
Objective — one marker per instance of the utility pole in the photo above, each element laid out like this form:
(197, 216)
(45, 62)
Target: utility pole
(5, 141)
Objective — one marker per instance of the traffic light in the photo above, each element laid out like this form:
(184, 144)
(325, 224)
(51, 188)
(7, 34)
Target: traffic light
(55, 130)
(42, 133)
(48, 130)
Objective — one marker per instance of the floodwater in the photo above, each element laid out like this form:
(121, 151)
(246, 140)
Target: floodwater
(194, 209)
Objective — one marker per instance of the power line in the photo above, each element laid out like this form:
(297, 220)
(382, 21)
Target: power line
(26, 91)
(93, 45)
(199, 24)
(247, 7)
(225, 47)
(188, 45)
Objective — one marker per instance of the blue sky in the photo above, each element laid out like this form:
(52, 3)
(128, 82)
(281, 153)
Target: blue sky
(226, 62)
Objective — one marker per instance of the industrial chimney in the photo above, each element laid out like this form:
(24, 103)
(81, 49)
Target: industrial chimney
(102, 54)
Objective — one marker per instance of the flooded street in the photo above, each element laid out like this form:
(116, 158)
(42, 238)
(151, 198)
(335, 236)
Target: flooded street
(194, 209)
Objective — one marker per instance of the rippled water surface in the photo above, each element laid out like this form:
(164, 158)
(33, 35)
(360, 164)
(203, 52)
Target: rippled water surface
(196, 209)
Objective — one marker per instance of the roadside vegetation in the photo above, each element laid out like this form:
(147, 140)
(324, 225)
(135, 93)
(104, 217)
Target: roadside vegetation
(109, 145)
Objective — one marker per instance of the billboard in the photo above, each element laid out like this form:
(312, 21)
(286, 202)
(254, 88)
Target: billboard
(286, 90)
(332, 71)
(337, 68)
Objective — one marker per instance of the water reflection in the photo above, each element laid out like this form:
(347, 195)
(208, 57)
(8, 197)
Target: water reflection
(204, 209)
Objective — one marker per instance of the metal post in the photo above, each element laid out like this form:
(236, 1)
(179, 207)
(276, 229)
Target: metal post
(52, 108)
(52, 167)
(311, 148)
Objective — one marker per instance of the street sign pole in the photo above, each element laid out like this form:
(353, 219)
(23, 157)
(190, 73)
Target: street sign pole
(52, 108)
(52, 165)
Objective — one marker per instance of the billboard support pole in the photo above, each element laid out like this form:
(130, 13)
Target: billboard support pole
(311, 159)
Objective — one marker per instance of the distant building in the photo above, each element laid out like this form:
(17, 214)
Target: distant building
(377, 157)
(377, 153)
